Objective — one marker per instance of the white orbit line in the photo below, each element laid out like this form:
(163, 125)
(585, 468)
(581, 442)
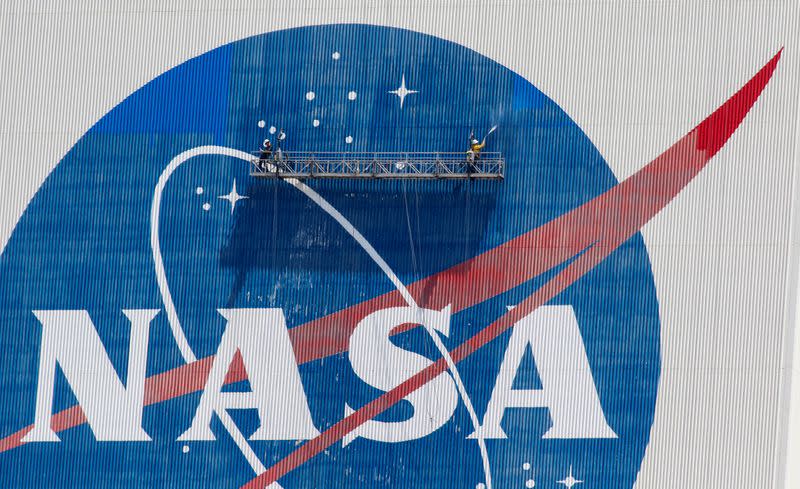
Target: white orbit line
(180, 336)
(172, 315)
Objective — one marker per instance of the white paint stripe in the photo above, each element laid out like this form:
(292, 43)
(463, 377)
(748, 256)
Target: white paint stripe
(462, 390)
(352, 231)
(241, 442)
(172, 315)
(180, 336)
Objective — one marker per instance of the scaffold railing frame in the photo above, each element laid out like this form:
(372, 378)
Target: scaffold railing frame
(378, 165)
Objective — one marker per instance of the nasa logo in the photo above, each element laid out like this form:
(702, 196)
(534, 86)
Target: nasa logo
(224, 330)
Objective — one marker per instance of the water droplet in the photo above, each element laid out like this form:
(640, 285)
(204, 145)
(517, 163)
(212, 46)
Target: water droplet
(352, 95)
(310, 96)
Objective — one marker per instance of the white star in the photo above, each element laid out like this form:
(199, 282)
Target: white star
(569, 481)
(233, 197)
(402, 91)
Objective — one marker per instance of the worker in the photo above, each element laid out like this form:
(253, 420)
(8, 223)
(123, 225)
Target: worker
(266, 153)
(474, 152)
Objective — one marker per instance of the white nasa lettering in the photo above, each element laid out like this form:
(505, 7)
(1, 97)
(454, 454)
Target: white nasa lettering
(381, 364)
(113, 411)
(568, 390)
(260, 335)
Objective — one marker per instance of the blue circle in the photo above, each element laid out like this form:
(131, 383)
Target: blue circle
(84, 243)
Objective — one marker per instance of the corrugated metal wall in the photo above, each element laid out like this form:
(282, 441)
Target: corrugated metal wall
(616, 312)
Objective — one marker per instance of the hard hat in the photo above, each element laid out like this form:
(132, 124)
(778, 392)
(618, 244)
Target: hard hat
(474, 141)
(266, 142)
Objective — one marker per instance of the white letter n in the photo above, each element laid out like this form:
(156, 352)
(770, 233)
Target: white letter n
(113, 411)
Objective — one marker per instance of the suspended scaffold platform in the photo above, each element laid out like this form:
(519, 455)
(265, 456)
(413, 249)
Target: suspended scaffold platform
(399, 165)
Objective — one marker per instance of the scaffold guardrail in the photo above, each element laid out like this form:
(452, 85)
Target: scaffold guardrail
(385, 165)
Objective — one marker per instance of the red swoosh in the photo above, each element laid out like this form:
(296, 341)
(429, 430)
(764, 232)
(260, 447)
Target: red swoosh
(474, 280)
(606, 221)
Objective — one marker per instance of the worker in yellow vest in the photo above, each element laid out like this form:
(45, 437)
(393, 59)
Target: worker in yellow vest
(474, 152)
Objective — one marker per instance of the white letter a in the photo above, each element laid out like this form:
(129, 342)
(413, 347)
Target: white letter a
(568, 390)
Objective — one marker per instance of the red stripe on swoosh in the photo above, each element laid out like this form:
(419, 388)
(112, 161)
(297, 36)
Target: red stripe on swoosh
(606, 221)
